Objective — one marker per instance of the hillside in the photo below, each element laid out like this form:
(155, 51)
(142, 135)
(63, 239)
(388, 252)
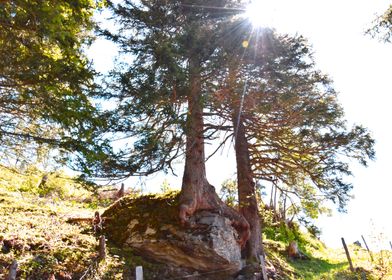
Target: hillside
(34, 231)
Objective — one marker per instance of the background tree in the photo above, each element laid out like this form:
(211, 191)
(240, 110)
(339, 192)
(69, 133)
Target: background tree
(45, 79)
(382, 26)
(229, 192)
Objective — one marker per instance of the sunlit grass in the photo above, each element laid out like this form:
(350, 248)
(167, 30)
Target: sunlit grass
(46, 244)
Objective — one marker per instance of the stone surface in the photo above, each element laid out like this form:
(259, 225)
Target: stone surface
(150, 225)
(294, 252)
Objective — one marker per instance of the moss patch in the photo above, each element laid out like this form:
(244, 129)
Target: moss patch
(147, 211)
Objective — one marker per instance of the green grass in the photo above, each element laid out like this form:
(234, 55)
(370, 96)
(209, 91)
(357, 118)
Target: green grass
(45, 244)
(323, 269)
(331, 264)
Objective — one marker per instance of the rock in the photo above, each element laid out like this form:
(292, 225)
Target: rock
(294, 252)
(12, 244)
(150, 225)
(249, 272)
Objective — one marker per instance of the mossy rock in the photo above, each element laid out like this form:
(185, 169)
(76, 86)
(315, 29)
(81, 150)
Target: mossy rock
(151, 211)
(150, 226)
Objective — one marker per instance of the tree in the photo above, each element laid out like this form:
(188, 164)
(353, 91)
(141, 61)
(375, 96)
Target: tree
(309, 142)
(287, 127)
(180, 56)
(382, 26)
(45, 79)
(229, 192)
(162, 94)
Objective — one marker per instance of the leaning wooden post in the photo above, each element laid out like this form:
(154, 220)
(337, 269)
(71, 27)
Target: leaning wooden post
(390, 243)
(13, 270)
(367, 248)
(263, 270)
(139, 273)
(102, 247)
(348, 255)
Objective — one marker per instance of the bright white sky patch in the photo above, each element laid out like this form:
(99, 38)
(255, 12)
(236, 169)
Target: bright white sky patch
(261, 13)
(271, 14)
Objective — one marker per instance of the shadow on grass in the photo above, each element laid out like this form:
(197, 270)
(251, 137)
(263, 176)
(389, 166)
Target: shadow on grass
(315, 268)
(126, 260)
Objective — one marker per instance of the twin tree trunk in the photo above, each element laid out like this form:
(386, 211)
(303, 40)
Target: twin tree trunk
(196, 192)
(247, 200)
(246, 189)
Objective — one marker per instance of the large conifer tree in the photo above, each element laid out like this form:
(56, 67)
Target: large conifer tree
(163, 93)
(287, 125)
(188, 62)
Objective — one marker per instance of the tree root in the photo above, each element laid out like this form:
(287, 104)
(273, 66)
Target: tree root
(192, 200)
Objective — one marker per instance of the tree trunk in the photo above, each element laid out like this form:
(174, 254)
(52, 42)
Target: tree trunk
(272, 196)
(246, 190)
(284, 207)
(196, 192)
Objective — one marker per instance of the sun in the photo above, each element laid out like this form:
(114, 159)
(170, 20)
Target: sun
(261, 13)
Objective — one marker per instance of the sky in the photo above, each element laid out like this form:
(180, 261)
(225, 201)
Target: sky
(360, 67)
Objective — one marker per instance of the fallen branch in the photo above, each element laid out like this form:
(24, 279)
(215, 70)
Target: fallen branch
(92, 270)
(80, 220)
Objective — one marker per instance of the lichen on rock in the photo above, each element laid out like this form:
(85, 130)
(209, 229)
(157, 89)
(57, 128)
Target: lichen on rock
(150, 225)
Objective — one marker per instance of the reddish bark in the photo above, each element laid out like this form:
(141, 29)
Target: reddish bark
(246, 190)
(197, 193)
(121, 191)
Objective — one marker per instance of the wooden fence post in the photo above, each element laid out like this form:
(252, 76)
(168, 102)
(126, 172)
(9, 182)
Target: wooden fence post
(13, 270)
(348, 255)
(367, 248)
(390, 243)
(121, 191)
(139, 273)
(102, 247)
(263, 270)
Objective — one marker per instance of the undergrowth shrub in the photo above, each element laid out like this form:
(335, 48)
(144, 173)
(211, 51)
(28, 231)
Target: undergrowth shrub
(33, 181)
(280, 230)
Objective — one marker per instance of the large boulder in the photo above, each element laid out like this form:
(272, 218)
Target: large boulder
(150, 225)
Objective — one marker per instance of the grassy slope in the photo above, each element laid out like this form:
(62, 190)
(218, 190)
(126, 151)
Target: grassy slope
(44, 244)
(34, 231)
(326, 263)
(332, 264)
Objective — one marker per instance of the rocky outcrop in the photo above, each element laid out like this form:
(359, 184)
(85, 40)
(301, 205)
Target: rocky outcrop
(150, 226)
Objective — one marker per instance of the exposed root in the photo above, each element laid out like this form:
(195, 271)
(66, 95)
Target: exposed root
(78, 220)
(192, 200)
